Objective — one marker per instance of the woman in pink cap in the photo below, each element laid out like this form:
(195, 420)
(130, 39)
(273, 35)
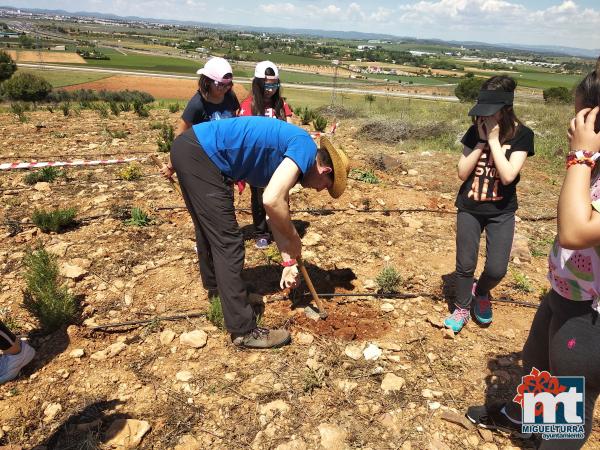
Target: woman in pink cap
(266, 100)
(214, 99)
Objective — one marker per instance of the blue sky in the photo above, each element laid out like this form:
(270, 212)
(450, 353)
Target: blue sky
(574, 23)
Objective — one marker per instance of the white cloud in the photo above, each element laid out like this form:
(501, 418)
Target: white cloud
(272, 8)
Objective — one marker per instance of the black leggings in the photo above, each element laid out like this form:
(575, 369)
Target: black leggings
(7, 339)
(499, 233)
(259, 215)
(565, 340)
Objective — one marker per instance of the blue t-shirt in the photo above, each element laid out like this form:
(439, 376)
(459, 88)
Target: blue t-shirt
(251, 148)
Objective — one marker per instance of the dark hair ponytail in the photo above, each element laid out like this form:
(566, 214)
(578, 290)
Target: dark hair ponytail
(587, 92)
(508, 121)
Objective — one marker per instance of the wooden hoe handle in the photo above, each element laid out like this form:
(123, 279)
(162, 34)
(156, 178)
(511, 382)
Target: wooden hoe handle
(322, 313)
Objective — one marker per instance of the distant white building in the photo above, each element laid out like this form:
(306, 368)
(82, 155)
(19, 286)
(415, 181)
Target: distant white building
(420, 53)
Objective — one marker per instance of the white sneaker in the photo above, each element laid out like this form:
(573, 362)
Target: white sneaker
(11, 365)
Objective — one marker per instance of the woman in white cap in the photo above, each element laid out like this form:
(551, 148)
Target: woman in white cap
(215, 98)
(266, 100)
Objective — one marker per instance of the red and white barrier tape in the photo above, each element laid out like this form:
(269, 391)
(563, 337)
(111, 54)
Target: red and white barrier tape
(76, 162)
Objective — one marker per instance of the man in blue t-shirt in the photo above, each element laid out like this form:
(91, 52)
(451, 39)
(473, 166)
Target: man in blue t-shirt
(268, 153)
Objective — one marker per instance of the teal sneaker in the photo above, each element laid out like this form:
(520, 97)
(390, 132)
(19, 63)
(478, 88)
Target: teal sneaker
(482, 307)
(457, 320)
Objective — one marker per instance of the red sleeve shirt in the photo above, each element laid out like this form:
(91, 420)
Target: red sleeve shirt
(246, 109)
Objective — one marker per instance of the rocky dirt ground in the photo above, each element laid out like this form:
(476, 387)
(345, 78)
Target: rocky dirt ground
(182, 385)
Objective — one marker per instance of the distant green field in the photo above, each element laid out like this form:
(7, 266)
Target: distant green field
(282, 58)
(544, 80)
(61, 78)
(137, 61)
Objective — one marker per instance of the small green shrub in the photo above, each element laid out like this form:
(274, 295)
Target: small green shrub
(57, 220)
(140, 109)
(521, 282)
(65, 107)
(370, 99)
(558, 95)
(19, 109)
(215, 313)
(139, 218)
(273, 256)
(7, 66)
(320, 123)
(27, 87)
(50, 108)
(45, 174)
(388, 280)
(131, 172)
(468, 89)
(306, 116)
(49, 302)
(156, 125)
(102, 109)
(125, 106)
(165, 140)
(117, 134)
(174, 107)
(366, 176)
(114, 108)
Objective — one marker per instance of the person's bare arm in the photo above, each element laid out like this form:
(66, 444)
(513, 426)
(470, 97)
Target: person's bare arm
(468, 161)
(578, 222)
(275, 201)
(182, 126)
(508, 168)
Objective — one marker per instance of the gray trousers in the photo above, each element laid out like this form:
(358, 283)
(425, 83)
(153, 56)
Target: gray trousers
(499, 233)
(208, 196)
(564, 339)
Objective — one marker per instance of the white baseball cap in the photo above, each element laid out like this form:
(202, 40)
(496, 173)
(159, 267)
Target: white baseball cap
(216, 68)
(261, 67)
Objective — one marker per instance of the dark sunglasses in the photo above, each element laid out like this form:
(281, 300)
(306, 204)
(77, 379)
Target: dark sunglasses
(272, 85)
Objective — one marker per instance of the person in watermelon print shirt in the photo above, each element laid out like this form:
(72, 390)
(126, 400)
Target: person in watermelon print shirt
(266, 100)
(495, 148)
(564, 338)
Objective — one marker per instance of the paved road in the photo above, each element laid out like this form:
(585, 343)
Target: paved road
(243, 81)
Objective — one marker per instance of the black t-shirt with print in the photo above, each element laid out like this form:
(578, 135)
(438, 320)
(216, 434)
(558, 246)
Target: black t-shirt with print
(199, 110)
(483, 193)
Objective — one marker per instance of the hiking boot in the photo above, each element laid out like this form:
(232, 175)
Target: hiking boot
(494, 418)
(11, 365)
(482, 307)
(262, 338)
(457, 320)
(262, 241)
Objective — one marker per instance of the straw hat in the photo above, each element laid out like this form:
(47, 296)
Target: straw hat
(341, 167)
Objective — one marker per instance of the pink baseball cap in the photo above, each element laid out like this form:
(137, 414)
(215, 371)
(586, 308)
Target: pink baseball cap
(216, 68)
(261, 67)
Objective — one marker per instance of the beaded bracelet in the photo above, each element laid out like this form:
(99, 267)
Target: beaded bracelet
(582, 157)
